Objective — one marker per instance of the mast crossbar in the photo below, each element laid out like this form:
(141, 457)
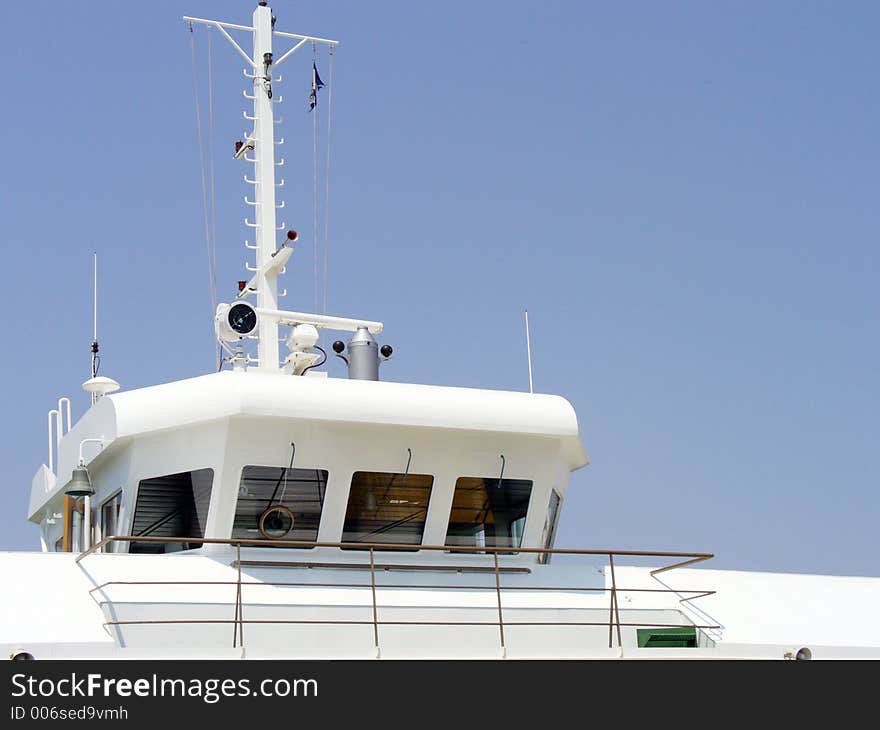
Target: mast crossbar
(222, 28)
(218, 23)
(291, 51)
(315, 39)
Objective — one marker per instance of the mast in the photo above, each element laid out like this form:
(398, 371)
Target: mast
(259, 149)
(264, 188)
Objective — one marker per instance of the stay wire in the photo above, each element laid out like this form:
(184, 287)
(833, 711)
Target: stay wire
(315, 184)
(201, 160)
(212, 255)
(327, 181)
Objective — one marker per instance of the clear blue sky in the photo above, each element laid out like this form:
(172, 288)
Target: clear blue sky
(683, 194)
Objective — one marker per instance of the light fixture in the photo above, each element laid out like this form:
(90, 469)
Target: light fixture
(80, 484)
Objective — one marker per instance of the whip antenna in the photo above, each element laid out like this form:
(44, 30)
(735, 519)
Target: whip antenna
(529, 352)
(96, 358)
(97, 386)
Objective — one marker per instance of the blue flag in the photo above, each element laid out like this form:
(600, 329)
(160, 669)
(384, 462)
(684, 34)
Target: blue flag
(316, 84)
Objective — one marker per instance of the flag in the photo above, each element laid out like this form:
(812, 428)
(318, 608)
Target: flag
(316, 84)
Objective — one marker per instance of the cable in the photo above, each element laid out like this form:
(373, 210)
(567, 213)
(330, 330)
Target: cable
(212, 253)
(201, 157)
(315, 182)
(327, 182)
(289, 468)
(317, 364)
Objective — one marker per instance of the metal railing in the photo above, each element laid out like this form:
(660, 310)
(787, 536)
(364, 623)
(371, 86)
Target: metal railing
(614, 624)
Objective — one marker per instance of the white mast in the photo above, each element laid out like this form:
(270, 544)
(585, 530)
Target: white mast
(261, 145)
(264, 155)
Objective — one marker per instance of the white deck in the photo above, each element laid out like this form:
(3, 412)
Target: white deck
(760, 615)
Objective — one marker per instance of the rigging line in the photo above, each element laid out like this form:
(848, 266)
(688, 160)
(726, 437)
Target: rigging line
(327, 182)
(288, 469)
(212, 254)
(315, 185)
(283, 478)
(201, 154)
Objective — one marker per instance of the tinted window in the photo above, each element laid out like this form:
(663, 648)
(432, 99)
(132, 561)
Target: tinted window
(110, 522)
(488, 514)
(175, 505)
(387, 508)
(278, 503)
(550, 525)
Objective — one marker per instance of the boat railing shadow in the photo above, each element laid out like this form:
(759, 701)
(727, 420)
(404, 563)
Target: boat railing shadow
(489, 570)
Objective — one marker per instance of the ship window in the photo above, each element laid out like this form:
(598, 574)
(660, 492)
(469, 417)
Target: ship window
(175, 505)
(550, 525)
(678, 637)
(486, 514)
(110, 521)
(278, 503)
(387, 508)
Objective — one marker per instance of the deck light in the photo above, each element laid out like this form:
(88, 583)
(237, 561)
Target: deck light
(80, 484)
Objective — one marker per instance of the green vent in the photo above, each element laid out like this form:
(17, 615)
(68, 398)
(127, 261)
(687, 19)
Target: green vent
(667, 638)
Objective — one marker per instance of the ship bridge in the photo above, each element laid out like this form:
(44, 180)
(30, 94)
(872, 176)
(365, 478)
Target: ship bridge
(263, 456)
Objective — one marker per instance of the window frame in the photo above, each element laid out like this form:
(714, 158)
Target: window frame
(137, 492)
(276, 466)
(548, 534)
(508, 549)
(394, 546)
(115, 546)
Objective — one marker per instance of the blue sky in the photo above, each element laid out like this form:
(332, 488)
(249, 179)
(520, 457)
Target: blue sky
(684, 196)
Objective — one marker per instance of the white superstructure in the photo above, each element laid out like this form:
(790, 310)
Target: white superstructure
(268, 510)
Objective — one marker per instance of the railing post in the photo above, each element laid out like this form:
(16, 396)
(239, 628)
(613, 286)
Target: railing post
(611, 610)
(498, 595)
(373, 591)
(614, 606)
(238, 627)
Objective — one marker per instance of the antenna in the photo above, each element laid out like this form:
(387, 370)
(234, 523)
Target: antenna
(97, 386)
(96, 360)
(529, 352)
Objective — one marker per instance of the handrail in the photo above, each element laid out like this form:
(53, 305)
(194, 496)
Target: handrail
(692, 557)
(238, 621)
(435, 586)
